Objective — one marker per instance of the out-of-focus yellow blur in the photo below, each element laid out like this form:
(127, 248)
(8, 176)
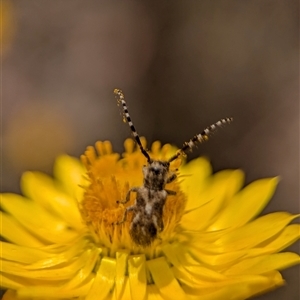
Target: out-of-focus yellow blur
(8, 24)
(35, 134)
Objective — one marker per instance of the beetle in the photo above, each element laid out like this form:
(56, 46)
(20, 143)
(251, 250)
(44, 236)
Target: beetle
(147, 220)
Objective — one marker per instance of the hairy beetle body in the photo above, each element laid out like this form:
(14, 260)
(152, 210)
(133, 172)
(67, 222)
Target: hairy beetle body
(147, 220)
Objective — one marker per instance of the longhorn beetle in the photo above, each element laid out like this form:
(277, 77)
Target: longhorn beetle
(151, 197)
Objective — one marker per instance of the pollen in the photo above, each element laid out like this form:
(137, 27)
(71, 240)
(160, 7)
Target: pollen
(110, 178)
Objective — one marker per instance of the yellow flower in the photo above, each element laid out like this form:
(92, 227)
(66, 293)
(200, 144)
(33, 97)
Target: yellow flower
(65, 240)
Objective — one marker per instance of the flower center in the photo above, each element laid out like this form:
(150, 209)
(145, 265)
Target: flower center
(110, 180)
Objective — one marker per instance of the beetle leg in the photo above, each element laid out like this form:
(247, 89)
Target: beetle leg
(170, 192)
(134, 189)
(129, 208)
(172, 178)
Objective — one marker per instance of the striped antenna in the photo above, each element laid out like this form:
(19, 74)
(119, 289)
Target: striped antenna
(200, 138)
(121, 100)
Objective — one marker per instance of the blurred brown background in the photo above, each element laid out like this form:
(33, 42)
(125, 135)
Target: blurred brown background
(182, 65)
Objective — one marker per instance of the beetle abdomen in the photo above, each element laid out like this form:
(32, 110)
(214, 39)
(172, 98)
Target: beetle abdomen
(143, 233)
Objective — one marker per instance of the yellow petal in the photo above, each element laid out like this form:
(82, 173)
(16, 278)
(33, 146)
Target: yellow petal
(164, 279)
(69, 171)
(66, 271)
(181, 255)
(40, 292)
(277, 261)
(286, 238)
(215, 257)
(121, 269)
(237, 288)
(14, 232)
(36, 219)
(12, 282)
(84, 272)
(264, 264)
(192, 177)
(195, 276)
(43, 190)
(220, 189)
(125, 293)
(16, 282)
(246, 204)
(137, 276)
(10, 295)
(191, 219)
(153, 293)
(21, 254)
(255, 232)
(104, 280)
(220, 260)
(170, 254)
(231, 181)
(64, 256)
